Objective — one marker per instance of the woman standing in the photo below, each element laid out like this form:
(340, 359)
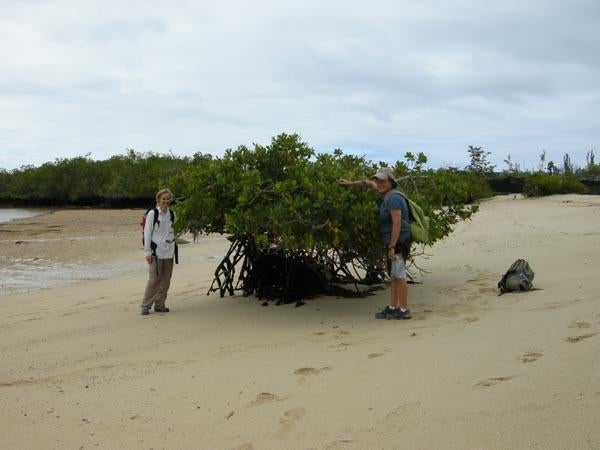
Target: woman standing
(159, 245)
(395, 230)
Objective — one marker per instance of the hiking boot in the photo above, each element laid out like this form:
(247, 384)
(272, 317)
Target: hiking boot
(383, 314)
(163, 309)
(400, 315)
(145, 311)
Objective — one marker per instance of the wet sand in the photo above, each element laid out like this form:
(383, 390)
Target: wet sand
(82, 369)
(66, 246)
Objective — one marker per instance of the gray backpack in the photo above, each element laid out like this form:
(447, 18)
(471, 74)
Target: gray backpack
(518, 277)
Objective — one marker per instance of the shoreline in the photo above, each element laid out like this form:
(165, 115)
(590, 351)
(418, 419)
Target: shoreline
(12, 214)
(470, 370)
(66, 247)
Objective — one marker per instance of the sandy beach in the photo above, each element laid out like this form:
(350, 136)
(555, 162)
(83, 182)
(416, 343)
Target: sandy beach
(81, 369)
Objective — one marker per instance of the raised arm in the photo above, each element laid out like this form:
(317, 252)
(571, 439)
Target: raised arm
(358, 183)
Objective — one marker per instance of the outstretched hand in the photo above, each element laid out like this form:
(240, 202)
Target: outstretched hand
(344, 182)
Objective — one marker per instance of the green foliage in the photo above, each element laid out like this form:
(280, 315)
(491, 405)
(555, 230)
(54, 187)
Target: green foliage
(479, 166)
(592, 170)
(133, 177)
(443, 195)
(567, 165)
(542, 161)
(479, 162)
(590, 158)
(511, 166)
(282, 193)
(552, 169)
(286, 196)
(5, 180)
(538, 185)
(477, 187)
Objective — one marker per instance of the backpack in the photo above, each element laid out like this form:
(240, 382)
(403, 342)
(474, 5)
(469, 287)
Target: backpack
(518, 277)
(155, 221)
(419, 222)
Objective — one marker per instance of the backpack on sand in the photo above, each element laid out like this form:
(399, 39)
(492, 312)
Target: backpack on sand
(518, 277)
(155, 221)
(419, 222)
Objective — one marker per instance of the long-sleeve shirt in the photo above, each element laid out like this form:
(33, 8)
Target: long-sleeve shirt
(161, 234)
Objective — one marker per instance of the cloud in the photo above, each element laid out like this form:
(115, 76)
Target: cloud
(379, 78)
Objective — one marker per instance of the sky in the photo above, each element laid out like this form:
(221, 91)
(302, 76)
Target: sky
(376, 78)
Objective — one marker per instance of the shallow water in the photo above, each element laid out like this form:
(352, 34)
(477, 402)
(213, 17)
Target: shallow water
(33, 263)
(30, 274)
(8, 214)
(27, 274)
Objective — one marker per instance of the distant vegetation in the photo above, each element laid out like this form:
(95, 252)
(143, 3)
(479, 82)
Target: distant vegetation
(131, 179)
(549, 178)
(121, 181)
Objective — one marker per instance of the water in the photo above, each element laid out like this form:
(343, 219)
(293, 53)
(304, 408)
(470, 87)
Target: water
(30, 273)
(27, 274)
(8, 214)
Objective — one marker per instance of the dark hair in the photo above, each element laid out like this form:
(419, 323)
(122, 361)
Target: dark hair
(394, 183)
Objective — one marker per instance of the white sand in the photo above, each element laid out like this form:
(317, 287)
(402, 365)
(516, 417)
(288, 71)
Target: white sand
(82, 369)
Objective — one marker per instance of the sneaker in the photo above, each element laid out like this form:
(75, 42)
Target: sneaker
(383, 314)
(163, 309)
(145, 311)
(400, 315)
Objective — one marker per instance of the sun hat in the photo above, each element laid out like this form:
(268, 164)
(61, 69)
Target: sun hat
(385, 173)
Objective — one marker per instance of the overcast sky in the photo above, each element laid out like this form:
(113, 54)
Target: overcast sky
(375, 77)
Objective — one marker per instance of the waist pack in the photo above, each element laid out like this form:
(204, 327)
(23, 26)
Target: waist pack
(518, 277)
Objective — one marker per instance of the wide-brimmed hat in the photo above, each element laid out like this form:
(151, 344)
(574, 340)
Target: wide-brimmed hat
(385, 173)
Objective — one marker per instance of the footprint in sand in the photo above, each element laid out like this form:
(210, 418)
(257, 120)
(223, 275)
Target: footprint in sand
(488, 290)
(336, 445)
(402, 409)
(264, 397)
(581, 337)
(530, 357)
(492, 381)
(290, 417)
(245, 447)
(421, 316)
(309, 371)
(374, 355)
(579, 324)
(451, 311)
(16, 383)
(471, 319)
(342, 345)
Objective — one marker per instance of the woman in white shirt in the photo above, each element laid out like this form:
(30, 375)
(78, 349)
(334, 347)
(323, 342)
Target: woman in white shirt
(159, 245)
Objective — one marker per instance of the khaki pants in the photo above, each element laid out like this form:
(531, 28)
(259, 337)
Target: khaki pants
(160, 271)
